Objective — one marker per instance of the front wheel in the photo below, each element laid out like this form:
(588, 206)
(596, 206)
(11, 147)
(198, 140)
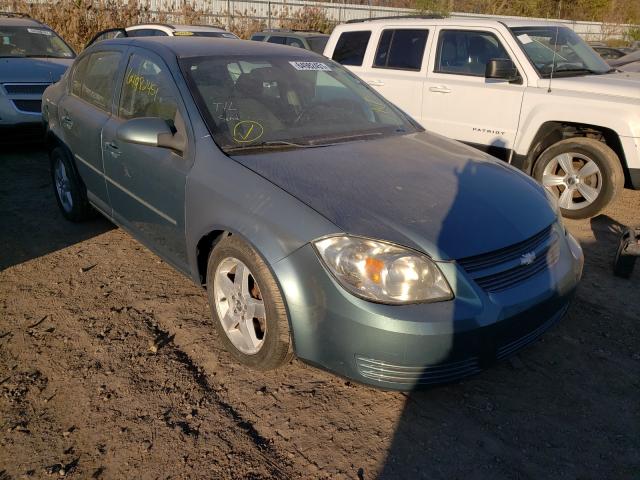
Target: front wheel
(247, 306)
(584, 174)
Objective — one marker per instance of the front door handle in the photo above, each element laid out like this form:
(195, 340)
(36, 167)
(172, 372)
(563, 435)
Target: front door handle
(440, 89)
(375, 83)
(113, 149)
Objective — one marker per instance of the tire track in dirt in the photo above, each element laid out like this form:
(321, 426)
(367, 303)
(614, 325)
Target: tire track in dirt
(280, 467)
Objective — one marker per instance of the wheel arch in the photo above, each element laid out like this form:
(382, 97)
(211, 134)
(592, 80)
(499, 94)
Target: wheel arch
(552, 132)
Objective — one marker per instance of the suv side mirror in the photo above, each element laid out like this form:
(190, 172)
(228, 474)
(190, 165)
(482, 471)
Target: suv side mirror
(151, 131)
(501, 69)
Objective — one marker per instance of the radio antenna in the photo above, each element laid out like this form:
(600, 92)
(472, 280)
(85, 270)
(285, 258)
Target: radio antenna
(555, 49)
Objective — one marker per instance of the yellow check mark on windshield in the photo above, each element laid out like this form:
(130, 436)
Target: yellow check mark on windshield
(248, 133)
(253, 131)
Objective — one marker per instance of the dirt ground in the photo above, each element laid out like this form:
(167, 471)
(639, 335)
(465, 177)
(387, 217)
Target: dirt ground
(109, 368)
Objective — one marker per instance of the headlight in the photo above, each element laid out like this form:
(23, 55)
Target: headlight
(382, 272)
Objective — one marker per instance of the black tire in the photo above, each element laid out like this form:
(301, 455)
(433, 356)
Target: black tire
(607, 161)
(79, 209)
(277, 348)
(623, 264)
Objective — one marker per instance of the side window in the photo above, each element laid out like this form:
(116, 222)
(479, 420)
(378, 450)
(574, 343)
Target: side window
(77, 76)
(143, 32)
(351, 48)
(147, 91)
(97, 79)
(295, 42)
(402, 49)
(277, 39)
(257, 38)
(467, 52)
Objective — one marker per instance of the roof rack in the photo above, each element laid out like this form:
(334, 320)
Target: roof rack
(424, 17)
(14, 15)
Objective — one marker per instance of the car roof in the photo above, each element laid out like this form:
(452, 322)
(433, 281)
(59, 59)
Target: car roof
(463, 20)
(20, 22)
(282, 33)
(186, 47)
(178, 28)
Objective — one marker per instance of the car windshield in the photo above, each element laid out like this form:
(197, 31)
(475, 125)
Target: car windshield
(317, 44)
(560, 50)
(260, 103)
(33, 41)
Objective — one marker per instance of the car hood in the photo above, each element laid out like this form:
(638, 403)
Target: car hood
(420, 190)
(619, 84)
(33, 70)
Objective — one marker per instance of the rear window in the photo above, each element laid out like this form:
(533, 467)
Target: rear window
(257, 38)
(351, 48)
(401, 49)
(317, 44)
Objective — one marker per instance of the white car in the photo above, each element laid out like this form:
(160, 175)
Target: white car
(532, 93)
(163, 30)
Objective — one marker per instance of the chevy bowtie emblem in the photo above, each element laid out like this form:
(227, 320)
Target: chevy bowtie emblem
(528, 258)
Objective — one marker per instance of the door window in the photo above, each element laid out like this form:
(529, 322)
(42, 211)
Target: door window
(467, 52)
(401, 49)
(351, 48)
(147, 91)
(93, 78)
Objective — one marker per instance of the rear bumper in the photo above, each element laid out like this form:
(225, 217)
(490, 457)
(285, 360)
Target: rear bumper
(403, 347)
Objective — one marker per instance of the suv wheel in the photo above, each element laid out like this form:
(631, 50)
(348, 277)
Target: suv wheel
(70, 192)
(247, 306)
(584, 174)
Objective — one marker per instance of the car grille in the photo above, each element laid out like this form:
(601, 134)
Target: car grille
(25, 88)
(505, 268)
(416, 375)
(33, 106)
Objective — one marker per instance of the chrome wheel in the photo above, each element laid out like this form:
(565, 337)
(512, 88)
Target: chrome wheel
(574, 178)
(238, 302)
(63, 186)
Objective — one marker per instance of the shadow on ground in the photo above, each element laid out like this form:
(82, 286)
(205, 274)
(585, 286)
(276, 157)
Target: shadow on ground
(30, 223)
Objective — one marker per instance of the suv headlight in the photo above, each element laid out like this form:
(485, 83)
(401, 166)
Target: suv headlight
(382, 272)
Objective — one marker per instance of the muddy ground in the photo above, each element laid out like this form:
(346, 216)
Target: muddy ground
(109, 368)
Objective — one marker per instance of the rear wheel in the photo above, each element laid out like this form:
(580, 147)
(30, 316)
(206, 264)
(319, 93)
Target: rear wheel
(247, 306)
(584, 174)
(70, 192)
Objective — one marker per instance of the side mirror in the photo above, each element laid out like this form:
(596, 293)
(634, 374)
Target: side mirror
(501, 69)
(153, 132)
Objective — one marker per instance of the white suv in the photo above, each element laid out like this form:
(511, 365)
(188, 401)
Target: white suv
(532, 93)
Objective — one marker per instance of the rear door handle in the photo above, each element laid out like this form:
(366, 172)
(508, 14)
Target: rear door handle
(67, 121)
(440, 89)
(375, 83)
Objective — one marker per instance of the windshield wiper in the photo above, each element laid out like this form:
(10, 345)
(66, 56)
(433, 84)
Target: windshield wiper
(275, 144)
(335, 140)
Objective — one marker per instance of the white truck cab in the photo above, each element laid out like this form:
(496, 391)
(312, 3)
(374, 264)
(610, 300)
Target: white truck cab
(531, 93)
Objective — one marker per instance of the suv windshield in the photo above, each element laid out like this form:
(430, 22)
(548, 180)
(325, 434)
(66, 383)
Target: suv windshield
(33, 41)
(259, 103)
(559, 49)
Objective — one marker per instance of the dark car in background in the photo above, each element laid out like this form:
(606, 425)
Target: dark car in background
(322, 220)
(32, 57)
(314, 41)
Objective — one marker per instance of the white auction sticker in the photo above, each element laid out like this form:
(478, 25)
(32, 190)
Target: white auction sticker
(524, 39)
(39, 32)
(311, 66)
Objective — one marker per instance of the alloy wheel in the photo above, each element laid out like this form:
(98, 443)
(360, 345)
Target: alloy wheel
(239, 304)
(63, 186)
(575, 180)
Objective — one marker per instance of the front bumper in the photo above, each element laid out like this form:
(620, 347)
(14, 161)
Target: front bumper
(401, 347)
